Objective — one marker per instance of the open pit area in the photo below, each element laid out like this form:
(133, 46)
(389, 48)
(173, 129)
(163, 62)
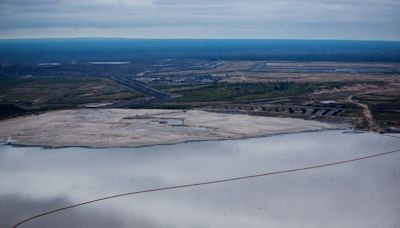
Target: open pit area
(132, 128)
(363, 94)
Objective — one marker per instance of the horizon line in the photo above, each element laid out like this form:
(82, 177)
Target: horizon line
(190, 38)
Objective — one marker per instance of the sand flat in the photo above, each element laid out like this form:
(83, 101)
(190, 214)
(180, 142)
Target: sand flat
(132, 127)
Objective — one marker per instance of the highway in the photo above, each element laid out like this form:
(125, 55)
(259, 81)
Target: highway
(143, 88)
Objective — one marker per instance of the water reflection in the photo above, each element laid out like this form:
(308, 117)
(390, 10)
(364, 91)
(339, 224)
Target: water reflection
(363, 194)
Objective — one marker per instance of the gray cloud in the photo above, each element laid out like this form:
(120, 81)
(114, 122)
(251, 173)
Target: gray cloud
(336, 19)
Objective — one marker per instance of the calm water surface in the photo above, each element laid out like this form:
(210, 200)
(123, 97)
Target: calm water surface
(361, 194)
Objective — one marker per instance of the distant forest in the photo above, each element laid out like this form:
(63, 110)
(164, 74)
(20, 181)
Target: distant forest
(104, 49)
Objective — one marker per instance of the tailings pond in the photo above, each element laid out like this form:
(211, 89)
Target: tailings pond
(359, 194)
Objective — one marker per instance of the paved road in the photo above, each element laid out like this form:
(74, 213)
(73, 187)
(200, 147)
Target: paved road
(143, 88)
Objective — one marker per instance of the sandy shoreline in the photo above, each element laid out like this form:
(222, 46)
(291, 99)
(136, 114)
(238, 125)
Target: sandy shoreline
(104, 128)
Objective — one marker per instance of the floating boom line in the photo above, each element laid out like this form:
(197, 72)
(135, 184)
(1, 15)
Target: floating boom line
(212, 182)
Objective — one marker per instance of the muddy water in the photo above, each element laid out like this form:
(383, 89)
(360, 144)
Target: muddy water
(360, 194)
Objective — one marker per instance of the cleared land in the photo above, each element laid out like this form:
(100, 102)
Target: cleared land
(130, 128)
(64, 92)
(32, 95)
(307, 90)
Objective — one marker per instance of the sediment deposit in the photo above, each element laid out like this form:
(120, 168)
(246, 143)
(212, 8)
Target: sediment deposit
(131, 127)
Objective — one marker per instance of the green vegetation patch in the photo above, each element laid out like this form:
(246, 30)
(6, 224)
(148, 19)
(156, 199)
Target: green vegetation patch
(65, 92)
(245, 91)
(385, 107)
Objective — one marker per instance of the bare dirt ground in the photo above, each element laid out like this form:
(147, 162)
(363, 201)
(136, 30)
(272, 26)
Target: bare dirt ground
(131, 128)
(269, 71)
(366, 113)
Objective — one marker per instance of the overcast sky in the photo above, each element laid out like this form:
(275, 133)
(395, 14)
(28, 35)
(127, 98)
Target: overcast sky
(288, 19)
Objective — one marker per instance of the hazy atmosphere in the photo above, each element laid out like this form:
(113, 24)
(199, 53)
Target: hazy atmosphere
(199, 113)
(284, 19)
